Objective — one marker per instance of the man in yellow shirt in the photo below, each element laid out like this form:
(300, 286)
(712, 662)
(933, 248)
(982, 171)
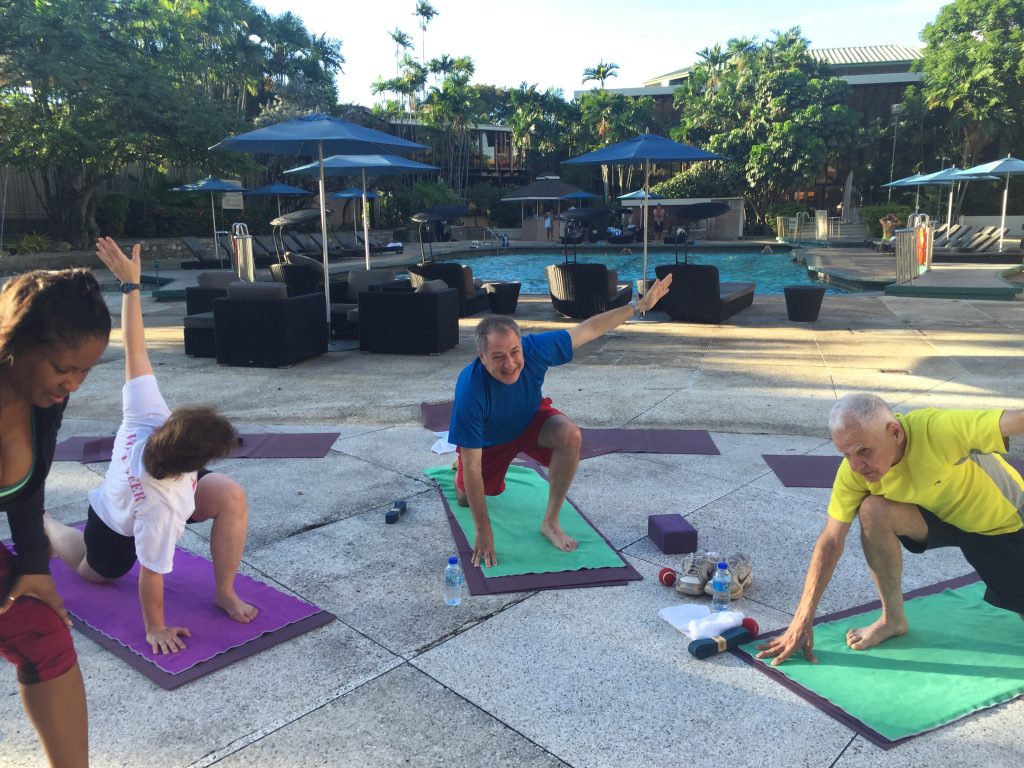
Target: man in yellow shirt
(927, 479)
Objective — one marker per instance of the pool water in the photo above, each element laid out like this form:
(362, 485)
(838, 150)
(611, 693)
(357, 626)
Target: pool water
(770, 271)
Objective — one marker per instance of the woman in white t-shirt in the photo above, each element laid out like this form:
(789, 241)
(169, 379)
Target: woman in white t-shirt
(156, 484)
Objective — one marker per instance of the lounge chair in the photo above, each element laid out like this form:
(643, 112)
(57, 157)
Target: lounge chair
(472, 297)
(304, 274)
(697, 295)
(378, 245)
(583, 290)
(203, 257)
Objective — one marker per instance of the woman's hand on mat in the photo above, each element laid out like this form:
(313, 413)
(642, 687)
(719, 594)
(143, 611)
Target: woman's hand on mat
(483, 549)
(127, 270)
(40, 586)
(168, 639)
(783, 646)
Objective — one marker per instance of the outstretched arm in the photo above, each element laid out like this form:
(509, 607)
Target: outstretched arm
(598, 325)
(1011, 423)
(128, 270)
(800, 634)
(161, 638)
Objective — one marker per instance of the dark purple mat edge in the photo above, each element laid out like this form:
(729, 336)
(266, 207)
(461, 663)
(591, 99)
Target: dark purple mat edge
(824, 704)
(479, 584)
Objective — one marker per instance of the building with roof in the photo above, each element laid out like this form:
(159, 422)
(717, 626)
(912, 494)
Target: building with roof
(878, 75)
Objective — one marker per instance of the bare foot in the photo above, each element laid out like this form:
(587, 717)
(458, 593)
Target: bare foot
(554, 533)
(236, 608)
(879, 632)
(461, 498)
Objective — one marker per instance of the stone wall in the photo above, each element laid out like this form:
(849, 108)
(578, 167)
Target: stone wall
(168, 251)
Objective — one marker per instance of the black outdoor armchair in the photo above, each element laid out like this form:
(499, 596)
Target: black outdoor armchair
(406, 321)
(257, 324)
(472, 298)
(198, 321)
(583, 290)
(697, 295)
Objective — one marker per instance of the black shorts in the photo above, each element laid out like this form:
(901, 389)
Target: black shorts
(109, 553)
(999, 560)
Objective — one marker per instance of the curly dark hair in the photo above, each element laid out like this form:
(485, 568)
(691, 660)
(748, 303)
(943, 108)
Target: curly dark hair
(191, 437)
(46, 308)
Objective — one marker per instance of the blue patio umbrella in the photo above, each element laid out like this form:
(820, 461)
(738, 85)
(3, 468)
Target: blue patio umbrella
(645, 149)
(277, 189)
(640, 195)
(213, 186)
(1007, 166)
(580, 195)
(364, 165)
(352, 193)
(312, 136)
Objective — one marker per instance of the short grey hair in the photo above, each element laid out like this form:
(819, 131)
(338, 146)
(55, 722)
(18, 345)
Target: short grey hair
(859, 409)
(495, 324)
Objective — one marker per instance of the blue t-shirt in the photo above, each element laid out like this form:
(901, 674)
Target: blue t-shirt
(487, 412)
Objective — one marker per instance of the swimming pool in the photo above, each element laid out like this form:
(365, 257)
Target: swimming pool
(771, 271)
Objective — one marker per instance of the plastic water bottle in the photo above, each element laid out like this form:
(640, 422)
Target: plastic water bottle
(453, 579)
(721, 586)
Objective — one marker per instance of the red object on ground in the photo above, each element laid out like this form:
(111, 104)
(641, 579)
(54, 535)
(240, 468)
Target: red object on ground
(751, 626)
(667, 577)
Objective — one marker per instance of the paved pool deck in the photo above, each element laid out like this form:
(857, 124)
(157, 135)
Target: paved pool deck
(584, 677)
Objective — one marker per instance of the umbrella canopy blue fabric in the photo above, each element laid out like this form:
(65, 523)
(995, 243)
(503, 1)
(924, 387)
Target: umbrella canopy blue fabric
(364, 165)
(1007, 166)
(312, 136)
(277, 189)
(645, 149)
(640, 195)
(213, 186)
(580, 195)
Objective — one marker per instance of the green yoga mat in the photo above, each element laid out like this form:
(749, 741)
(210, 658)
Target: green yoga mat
(516, 515)
(960, 655)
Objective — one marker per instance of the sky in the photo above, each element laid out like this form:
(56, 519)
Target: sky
(550, 42)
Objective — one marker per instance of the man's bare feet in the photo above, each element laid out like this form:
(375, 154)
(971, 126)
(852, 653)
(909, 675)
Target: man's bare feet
(236, 608)
(554, 533)
(879, 632)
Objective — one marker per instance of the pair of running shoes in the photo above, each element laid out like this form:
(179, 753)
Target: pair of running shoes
(699, 568)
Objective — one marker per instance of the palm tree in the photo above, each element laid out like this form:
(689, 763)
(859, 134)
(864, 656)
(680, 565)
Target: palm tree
(425, 12)
(601, 72)
(403, 42)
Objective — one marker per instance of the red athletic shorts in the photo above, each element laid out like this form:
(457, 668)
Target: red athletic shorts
(496, 458)
(32, 635)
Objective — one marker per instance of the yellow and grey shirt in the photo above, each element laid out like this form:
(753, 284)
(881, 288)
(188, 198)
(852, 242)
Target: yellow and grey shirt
(952, 467)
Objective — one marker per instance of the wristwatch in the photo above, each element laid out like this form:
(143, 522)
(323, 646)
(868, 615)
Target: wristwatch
(636, 307)
(129, 287)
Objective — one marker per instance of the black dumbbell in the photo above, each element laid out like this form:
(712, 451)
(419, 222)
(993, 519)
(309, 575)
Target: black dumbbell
(396, 511)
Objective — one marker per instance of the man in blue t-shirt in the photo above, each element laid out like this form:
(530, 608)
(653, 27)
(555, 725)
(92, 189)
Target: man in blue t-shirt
(499, 411)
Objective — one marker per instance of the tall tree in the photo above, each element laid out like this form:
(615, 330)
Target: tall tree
(973, 67)
(425, 12)
(600, 73)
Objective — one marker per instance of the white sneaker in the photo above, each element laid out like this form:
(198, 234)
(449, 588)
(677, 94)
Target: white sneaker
(696, 572)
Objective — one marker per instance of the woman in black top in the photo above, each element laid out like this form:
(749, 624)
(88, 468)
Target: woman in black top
(54, 327)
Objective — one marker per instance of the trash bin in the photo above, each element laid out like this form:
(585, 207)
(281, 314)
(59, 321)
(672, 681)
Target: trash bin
(803, 302)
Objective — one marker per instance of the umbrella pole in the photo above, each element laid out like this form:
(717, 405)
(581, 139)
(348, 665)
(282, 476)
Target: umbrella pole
(647, 193)
(949, 210)
(366, 223)
(216, 245)
(1002, 221)
(279, 206)
(323, 240)
(423, 255)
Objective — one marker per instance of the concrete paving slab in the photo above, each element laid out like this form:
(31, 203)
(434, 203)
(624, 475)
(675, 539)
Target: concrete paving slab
(628, 695)
(401, 718)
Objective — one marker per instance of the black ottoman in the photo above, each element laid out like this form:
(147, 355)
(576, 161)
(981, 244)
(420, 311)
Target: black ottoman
(503, 297)
(803, 302)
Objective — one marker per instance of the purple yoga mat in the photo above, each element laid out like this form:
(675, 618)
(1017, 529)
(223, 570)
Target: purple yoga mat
(478, 584)
(300, 445)
(110, 614)
(820, 471)
(824, 704)
(598, 442)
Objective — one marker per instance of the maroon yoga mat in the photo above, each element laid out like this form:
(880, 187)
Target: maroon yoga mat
(478, 584)
(824, 704)
(598, 442)
(110, 615)
(820, 471)
(299, 445)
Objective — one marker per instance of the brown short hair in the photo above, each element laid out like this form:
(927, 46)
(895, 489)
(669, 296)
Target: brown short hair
(191, 437)
(46, 308)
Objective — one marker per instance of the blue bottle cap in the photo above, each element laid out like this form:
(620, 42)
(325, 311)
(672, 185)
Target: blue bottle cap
(723, 565)
(453, 560)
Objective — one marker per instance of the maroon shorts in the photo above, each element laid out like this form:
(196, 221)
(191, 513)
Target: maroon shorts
(32, 635)
(496, 458)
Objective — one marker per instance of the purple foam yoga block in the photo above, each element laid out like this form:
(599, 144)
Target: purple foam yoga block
(672, 534)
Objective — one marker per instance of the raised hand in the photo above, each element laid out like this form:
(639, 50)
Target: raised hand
(125, 269)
